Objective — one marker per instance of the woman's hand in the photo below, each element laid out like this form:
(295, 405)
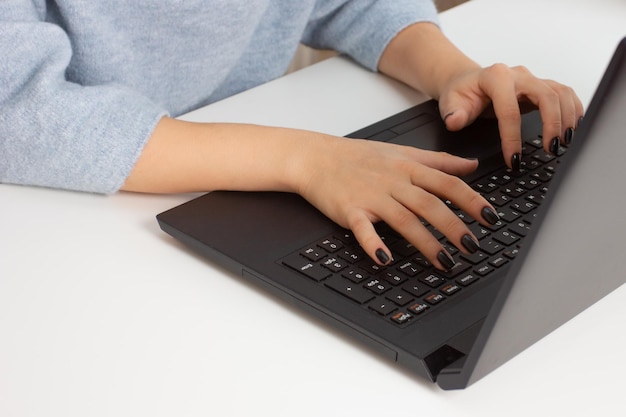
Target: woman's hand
(507, 92)
(357, 183)
(422, 57)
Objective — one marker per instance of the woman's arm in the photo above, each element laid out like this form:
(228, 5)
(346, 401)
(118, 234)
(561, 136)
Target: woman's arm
(354, 182)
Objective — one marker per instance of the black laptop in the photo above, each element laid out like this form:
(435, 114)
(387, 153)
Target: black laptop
(556, 250)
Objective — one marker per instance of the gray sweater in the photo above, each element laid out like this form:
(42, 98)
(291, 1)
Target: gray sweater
(84, 82)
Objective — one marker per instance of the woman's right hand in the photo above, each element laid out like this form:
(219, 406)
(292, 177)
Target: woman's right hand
(357, 183)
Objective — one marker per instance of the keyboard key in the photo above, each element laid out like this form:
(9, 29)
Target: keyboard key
(331, 245)
(543, 157)
(528, 183)
(474, 258)
(523, 206)
(499, 224)
(457, 269)
(382, 307)
(508, 215)
(511, 253)
(334, 264)
(370, 266)
(505, 237)
(491, 246)
(418, 308)
(399, 297)
(513, 192)
(352, 291)
(377, 286)
(479, 231)
(306, 267)
(484, 269)
(542, 176)
(313, 253)
(350, 255)
(434, 298)
(416, 289)
(501, 178)
(450, 289)
(410, 269)
(467, 279)
(401, 317)
(498, 261)
(520, 228)
(432, 280)
(393, 278)
(536, 142)
(354, 275)
(485, 187)
(498, 199)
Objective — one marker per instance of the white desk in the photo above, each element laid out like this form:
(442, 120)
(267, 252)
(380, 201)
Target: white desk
(102, 314)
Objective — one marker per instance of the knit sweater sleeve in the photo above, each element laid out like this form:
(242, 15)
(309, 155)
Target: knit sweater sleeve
(52, 132)
(362, 29)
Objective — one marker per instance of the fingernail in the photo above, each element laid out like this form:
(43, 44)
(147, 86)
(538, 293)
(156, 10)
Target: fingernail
(580, 120)
(446, 260)
(382, 256)
(490, 216)
(516, 162)
(469, 243)
(447, 115)
(569, 135)
(554, 146)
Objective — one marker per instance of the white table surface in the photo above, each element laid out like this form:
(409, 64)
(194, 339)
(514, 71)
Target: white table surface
(102, 314)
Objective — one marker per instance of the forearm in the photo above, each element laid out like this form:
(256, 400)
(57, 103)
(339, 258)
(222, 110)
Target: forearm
(184, 157)
(422, 57)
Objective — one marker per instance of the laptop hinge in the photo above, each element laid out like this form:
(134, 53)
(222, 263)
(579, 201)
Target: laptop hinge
(450, 357)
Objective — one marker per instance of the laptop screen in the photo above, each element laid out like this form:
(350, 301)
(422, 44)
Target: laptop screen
(577, 256)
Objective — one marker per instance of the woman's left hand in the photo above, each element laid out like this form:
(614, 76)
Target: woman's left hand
(506, 92)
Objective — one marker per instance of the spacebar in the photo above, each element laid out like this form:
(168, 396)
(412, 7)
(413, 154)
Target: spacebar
(349, 289)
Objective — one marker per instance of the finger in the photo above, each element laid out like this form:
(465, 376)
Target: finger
(498, 82)
(445, 162)
(406, 223)
(461, 106)
(464, 197)
(551, 99)
(403, 218)
(571, 110)
(438, 186)
(456, 116)
(368, 238)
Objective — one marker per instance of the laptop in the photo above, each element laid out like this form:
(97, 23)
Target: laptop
(556, 250)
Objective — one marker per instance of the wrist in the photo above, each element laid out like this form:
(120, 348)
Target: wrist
(422, 57)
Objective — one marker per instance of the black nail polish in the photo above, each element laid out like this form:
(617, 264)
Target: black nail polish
(580, 120)
(469, 243)
(382, 256)
(554, 146)
(569, 135)
(516, 162)
(490, 216)
(446, 260)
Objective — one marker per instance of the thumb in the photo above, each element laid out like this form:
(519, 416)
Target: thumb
(460, 110)
(455, 119)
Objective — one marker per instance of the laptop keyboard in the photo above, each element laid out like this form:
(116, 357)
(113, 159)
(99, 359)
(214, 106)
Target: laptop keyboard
(411, 287)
